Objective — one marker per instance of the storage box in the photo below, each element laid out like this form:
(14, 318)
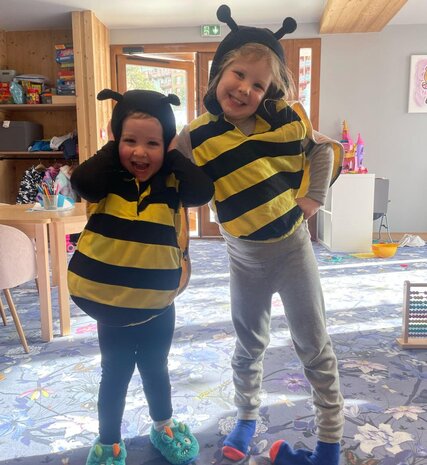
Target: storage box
(19, 135)
(61, 99)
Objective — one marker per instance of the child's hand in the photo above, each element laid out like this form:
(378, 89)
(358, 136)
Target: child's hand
(308, 206)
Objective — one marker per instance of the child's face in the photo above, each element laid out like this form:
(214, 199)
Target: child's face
(242, 87)
(141, 146)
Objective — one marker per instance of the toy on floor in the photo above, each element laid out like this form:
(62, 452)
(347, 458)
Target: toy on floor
(414, 330)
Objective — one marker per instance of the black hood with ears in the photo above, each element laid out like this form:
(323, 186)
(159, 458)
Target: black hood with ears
(145, 101)
(241, 35)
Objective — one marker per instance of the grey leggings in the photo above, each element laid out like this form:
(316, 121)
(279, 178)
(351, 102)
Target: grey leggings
(289, 267)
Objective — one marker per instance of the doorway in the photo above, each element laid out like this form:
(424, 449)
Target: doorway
(183, 69)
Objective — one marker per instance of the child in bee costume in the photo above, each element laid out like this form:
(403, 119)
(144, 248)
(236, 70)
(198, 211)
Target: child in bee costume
(271, 172)
(128, 266)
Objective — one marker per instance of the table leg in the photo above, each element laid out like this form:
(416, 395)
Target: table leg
(57, 232)
(53, 263)
(42, 255)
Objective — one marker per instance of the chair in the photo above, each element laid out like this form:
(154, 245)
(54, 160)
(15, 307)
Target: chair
(17, 266)
(381, 202)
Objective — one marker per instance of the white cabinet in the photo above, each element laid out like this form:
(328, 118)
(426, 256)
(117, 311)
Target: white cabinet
(345, 223)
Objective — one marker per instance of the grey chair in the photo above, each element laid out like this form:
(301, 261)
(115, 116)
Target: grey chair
(381, 201)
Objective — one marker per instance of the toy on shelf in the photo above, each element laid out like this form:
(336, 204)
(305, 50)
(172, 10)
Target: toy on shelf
(353, 152)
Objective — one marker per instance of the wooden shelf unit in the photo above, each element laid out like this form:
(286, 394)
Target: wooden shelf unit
(33, 52)
(38, 107)
(48, 154)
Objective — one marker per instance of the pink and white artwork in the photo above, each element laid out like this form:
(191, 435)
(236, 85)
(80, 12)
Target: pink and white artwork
(418, 84)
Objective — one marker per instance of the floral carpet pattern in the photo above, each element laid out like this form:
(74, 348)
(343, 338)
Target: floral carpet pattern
(48, 397)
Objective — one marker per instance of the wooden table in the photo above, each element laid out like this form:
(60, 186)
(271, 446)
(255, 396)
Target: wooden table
(48, 228)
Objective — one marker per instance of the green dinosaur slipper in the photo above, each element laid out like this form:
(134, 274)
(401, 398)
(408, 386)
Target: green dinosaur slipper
(176, 443)
(101, 454)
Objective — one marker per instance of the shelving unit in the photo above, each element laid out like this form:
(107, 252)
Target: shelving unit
(56, 119)
(38, 107)
(33, 52)
(345, 223)
(45, 155)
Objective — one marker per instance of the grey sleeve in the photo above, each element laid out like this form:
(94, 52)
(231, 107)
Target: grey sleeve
(321, 158)
(184, 143)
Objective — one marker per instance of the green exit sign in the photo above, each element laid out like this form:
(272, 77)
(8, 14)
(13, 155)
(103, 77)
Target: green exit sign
(211, 30)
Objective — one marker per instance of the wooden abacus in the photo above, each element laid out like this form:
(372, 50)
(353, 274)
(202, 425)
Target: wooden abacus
(414, 328)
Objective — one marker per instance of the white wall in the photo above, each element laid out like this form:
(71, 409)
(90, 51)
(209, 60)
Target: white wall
(364, 80)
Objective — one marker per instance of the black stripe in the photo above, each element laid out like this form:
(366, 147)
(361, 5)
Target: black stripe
(127, 189)
(136, 278)
(109, 315)
(212, 129)
(168, 196)
(277, 228)
(278, 119)
(133, 230)
(256, 195)
(246, 153)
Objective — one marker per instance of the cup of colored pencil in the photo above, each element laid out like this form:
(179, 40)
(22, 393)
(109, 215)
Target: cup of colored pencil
(49, 195)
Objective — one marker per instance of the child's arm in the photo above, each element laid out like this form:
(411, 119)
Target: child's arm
(321, 162)
(92, 179)
(195, 187)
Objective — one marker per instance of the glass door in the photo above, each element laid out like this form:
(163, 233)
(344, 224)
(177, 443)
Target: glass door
(168, 76)
(162, 75)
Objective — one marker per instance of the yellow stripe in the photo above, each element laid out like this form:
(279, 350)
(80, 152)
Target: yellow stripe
(205, 118)
(121, 208)
(262, 215)
(254, 173)
(129, 254)
(119, 296)
(215, 146)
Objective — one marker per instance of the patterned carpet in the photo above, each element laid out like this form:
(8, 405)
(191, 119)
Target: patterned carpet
(48, 397)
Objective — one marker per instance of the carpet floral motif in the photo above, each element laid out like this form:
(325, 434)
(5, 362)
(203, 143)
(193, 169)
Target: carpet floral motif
(48, 398)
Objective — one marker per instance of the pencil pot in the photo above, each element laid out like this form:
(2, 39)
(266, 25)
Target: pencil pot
(50, 202)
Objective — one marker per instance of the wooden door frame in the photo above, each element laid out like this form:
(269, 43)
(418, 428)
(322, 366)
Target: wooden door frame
(188, 66)
(203, 52)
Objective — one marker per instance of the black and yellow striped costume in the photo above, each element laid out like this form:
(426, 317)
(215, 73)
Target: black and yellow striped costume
(257, 177)
(127, 266)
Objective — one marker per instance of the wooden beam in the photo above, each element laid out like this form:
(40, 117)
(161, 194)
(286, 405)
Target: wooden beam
(345, 16)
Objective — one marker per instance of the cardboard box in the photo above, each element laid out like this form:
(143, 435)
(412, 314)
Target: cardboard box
(61, 99)
(19, 135)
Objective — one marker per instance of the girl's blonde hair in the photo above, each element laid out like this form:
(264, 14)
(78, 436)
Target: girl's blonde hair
(281, 82)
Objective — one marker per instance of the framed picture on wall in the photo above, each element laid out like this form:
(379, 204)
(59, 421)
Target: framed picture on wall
(418, 84)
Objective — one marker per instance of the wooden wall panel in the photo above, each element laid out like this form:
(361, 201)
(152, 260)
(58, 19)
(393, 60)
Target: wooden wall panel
(92, 68)
(3, 61)
(33, 52)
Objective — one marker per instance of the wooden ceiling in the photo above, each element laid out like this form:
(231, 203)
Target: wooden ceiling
(345, 16)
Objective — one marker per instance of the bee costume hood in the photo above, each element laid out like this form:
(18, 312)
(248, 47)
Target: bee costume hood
(241, 35)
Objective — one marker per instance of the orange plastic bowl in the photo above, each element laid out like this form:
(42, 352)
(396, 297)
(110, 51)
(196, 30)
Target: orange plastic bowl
(384, 249)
